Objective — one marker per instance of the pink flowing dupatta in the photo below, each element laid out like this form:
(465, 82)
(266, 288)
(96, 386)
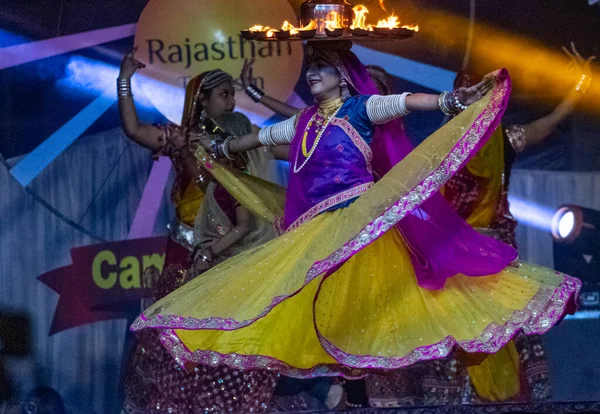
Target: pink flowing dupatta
(442, 244)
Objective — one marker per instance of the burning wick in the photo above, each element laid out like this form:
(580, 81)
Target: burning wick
(311, 26)
(289, 27)
(259, 28)
(391, 22)
(414, 27)
(360, 18)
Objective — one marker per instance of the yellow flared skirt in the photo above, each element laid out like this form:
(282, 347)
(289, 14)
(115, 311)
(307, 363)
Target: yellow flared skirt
(370, 313)
(338, 294)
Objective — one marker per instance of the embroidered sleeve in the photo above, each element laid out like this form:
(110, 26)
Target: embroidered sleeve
(278, 134)
(382, 109)
(516, 136)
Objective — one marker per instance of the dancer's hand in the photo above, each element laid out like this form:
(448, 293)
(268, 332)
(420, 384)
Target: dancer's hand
(206, 142)
(202, 260)
(193, 138)
(179, 139)
(247, 75)
(472, 94)
(581, 65)
(129, 65)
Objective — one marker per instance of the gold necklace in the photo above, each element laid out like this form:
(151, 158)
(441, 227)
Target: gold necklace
(306, 153)
(328, 108)
(324, 113)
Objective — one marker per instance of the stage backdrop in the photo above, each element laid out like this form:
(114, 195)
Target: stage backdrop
(72, 179)
(96, 183)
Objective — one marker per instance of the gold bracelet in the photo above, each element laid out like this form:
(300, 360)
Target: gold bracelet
(583, 84)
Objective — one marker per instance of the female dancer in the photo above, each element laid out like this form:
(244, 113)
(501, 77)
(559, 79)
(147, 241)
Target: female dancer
(479, 193)
(356, 392)
(217, 98)
(154, 383)
(367, 276)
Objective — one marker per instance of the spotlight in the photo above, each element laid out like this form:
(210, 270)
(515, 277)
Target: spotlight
(577, 250)
(531, 214)
(567, 224)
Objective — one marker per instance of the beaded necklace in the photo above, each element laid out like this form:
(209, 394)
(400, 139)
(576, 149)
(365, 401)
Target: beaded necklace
(325, 113)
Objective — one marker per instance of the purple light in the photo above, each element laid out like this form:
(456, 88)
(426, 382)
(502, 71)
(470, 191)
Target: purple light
(32, 51)
(147, 210)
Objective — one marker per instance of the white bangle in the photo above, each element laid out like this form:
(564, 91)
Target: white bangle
(278, 134)
(382, 109)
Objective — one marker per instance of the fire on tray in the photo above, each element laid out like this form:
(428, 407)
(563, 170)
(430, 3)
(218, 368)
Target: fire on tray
(391, 26)
(333, 24)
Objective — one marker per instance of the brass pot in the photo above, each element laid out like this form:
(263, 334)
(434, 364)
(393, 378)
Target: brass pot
(318, 10)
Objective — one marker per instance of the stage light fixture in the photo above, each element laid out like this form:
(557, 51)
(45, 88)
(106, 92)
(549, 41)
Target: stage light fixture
(570, 221)
(576, 251)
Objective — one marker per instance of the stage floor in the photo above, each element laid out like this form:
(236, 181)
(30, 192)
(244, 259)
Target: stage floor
(550, 408)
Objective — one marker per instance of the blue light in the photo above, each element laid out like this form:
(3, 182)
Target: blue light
(92, 77)
(418, 73)
(531, 214)
(584, 315)
(10, 39)
(43, 155)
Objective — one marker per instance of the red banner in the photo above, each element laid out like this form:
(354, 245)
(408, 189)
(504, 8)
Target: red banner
(104, 282)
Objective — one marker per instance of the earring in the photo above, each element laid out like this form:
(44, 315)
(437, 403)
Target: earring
(202, 119)
(345, 90)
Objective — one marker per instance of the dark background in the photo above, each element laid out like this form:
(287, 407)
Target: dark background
(34, 104)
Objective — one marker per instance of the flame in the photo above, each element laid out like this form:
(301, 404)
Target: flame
(414, 27)
(333, 21)
(311, 26)
(360, 18)
(259, 28)
(382, 5)
(287, 26)
(391, 22)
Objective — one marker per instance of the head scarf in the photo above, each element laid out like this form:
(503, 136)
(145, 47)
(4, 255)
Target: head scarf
(194, 90)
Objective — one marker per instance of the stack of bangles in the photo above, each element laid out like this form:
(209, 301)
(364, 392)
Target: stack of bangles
(450, 104)
(254, 93)
(219, 148)
(583, 84)
(124, 88)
